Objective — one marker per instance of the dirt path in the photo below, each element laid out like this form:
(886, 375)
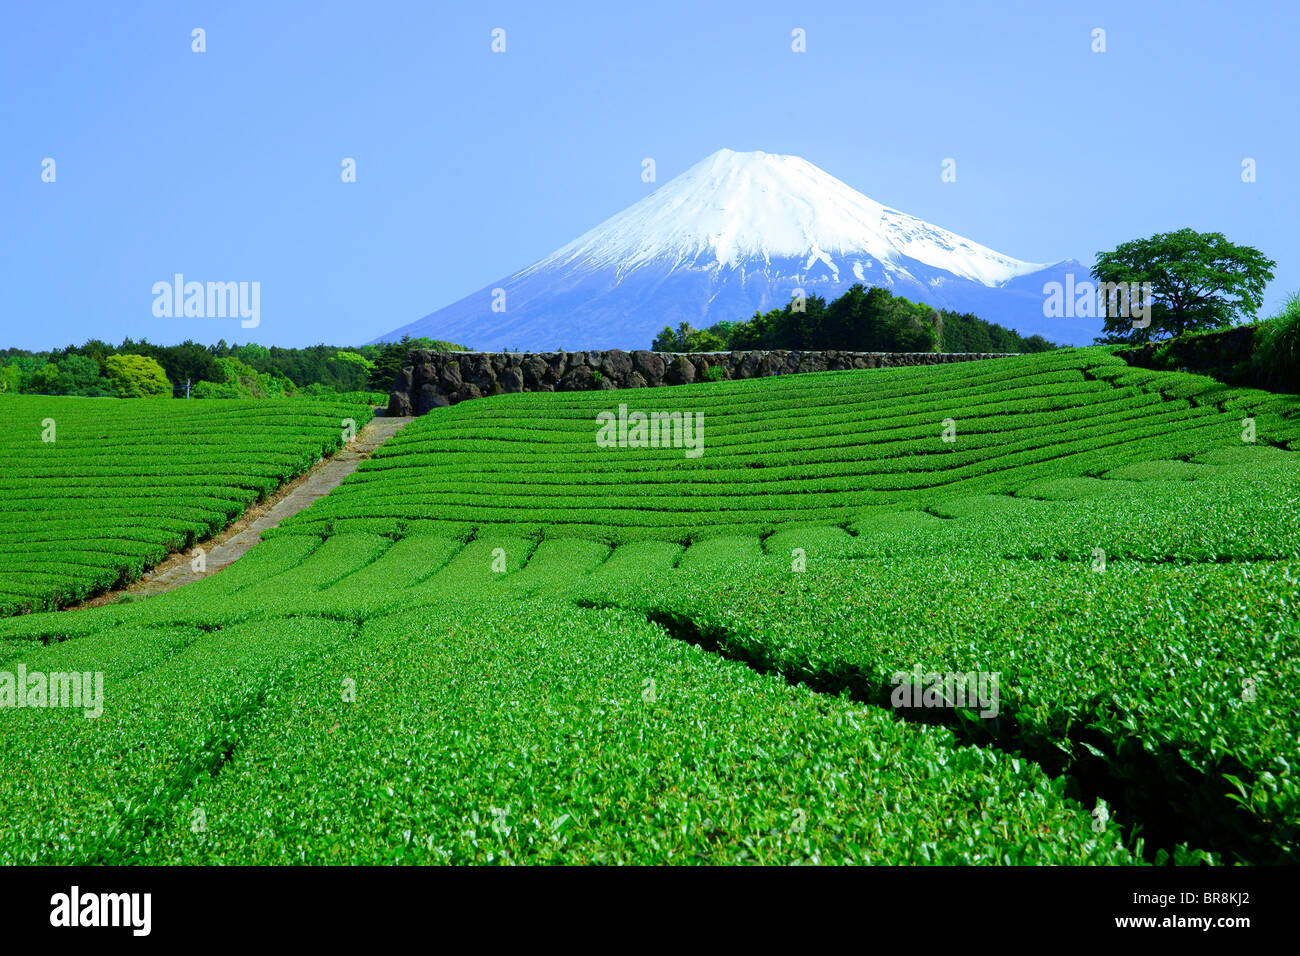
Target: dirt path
(229, 545)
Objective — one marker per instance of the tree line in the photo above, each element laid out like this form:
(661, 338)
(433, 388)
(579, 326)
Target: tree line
(1170, 284)
(1190, 282)
(137, 369)
(860, 320)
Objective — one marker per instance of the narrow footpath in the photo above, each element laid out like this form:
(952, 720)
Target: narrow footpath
(229, 545)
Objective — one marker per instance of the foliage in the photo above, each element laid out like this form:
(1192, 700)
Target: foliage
(136, 376)
(187, 362)
(563, 653)
(122, 484)
(1278, 347)
(80, 375)
(790, 447)
(1199, 281)
(387, 359)
(592, 746)
(73, 374)
(687, 339)
(1049, 464)
(1098, 692)
(347, 357)
(244, 381)
(44, 380)
(862, 319)
(966, 332)
(260, 370)
(318, 390)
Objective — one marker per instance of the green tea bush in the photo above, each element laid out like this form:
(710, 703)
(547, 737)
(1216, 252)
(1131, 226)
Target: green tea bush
(500, 643)
(94, 493)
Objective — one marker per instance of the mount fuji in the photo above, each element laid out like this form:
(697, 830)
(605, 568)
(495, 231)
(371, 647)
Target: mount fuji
(735, 233)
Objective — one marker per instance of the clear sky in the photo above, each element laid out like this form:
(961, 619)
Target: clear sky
(226, 165)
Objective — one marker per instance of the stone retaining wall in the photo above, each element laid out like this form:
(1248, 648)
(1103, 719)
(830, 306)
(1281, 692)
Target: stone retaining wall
(431, 380)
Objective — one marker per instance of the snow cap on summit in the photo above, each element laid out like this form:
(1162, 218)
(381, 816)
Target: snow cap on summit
(733, 206)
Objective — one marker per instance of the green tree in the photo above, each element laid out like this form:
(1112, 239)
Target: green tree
(908, 326)
(861, 319)
(755, 332)
(669, 341)
(704, 340)
(687, 339)
(354, 358)
(188, 361)
(26, 364)
(250, 354)
(137, 376)
(239, 380)
(1199, 281)
(350, 371)
(44, 380)
(388, 363)
(390, 357)
(79, 375)
(724, 331)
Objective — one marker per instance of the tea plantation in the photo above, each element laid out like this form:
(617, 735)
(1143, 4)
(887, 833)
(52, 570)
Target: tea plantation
(499, 641)
(95, 492)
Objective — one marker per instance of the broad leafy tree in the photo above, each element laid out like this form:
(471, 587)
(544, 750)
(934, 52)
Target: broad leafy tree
(1199, 281)
(687, 339)
(137, 376)
(79, 375)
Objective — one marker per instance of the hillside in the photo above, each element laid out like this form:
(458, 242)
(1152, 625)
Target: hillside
(499, 641)
(833, 447)
(96, 491)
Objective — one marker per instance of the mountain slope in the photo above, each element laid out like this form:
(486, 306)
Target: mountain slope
(735, 233)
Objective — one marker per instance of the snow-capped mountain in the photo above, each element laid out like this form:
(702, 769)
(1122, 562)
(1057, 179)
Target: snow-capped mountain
(735, 233)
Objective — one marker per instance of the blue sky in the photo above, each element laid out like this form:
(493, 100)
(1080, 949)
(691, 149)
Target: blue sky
(226, 165)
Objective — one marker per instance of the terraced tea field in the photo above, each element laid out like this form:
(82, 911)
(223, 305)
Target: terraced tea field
(831, 448)
(499, 641)
(93, 493)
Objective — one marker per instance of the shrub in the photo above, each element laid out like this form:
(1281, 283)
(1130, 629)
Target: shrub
(244, 381)
(1278, 352)
(218, 390)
